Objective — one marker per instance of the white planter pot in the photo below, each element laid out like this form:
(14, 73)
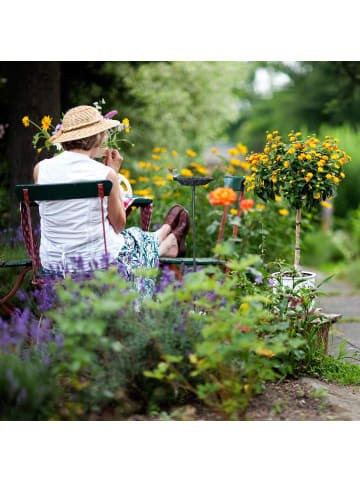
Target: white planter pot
(294, 283)
(307, 280)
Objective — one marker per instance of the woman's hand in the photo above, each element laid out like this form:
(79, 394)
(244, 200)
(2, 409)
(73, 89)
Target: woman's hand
(113, 159)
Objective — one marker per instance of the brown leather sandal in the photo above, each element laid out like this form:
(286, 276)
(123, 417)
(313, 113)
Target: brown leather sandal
(172, 216)
(181, 231)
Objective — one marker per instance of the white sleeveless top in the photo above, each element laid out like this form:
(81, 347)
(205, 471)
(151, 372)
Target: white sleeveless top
(73, 228)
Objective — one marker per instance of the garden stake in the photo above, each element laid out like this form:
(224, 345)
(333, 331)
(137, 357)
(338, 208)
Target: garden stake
(193, 216)
(235, 230)
(297, 239)
(222, 227)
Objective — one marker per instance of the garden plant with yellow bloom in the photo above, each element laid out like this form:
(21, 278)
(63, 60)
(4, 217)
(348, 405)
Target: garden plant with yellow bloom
(305, 172)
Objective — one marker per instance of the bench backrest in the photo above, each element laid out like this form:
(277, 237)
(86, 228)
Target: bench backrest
(58, 192)
(27, 194)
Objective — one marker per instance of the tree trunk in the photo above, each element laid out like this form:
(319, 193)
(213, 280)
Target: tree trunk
(34, 90)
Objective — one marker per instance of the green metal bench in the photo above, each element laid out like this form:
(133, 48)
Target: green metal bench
(28, 194)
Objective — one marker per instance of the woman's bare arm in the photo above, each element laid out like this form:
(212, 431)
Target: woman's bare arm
(36, 173)
(116, 210)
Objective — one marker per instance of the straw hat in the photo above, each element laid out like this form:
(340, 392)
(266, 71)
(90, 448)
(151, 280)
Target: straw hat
(82, 121)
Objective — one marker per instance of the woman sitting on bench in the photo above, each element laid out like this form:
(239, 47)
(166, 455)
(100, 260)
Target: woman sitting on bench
(72, 229)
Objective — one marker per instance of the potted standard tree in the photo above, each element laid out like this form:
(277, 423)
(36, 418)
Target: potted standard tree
(304, 172)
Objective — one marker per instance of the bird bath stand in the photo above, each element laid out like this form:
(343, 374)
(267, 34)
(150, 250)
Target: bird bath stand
(193, 182)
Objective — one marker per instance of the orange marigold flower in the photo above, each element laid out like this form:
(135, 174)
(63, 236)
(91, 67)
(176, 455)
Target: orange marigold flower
(247, 204)
(223, 196)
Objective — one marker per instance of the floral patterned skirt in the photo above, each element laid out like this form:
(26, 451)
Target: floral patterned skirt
(140, 251)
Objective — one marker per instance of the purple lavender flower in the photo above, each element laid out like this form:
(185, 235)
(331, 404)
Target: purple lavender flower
(271, 281)
(258, 279)
(57, 128)
(110, 114)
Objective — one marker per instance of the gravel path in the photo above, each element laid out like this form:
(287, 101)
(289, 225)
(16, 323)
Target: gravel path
(344, 299)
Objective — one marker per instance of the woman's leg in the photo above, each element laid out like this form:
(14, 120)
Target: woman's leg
(169, 247)
(163, 232)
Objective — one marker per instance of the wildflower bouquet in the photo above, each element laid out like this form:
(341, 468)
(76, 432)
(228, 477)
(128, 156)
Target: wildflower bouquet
(304, 172)
(42, 138)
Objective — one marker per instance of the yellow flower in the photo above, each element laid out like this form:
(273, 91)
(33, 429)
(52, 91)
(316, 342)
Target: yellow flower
(309, 174)
(328, 176)
(283, 212)
(298, 134)
(155, 168)
(142, 192)
(157, 178)
(292, 139)
(46, 122)
(160, 183)
(231, 169)
(336, 180)
(233, 212)
(325, 204)
(269, 136)
(244, 165)
(125, 172)
(39, 150)
(213, 149)
(265, 352)
(286, 164)
(132, 181)
(25, 121)
(320, 169)
(186, 172)
(233, 151)
(125, 122)
(169, 176)
(277, 198)
(273, 179)
(244, 306)
(190, 153)
(260, 206)
(243, 149)
(193, 359)
(144, 164)
(235, 162)
(143, 179)
(342, 175)
(317, 195)
(155, 157)
(157, 149)
(308, 157)
(174, 153)
(201, 169)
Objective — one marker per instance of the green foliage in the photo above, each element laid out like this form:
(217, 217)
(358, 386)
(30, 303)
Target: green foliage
(28, 391)
(334, 370)
(316, 93)
(243, 343)
(170, 104)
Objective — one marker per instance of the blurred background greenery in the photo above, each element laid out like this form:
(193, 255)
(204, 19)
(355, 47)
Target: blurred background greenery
(198, 105)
